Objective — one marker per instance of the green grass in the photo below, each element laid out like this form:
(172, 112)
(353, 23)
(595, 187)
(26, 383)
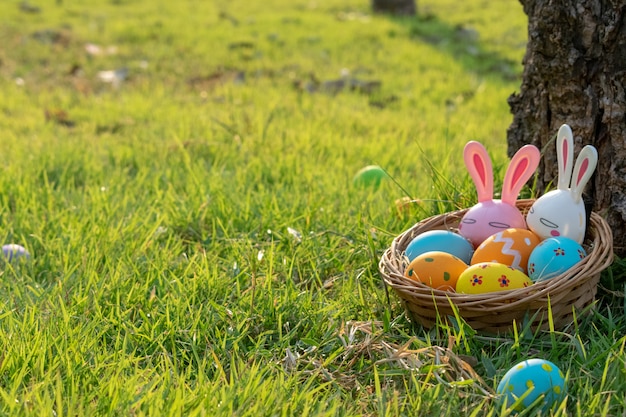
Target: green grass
(197, 245)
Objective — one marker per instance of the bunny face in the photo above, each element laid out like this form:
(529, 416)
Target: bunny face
(546, 217)
(561, 212)
(490, 216)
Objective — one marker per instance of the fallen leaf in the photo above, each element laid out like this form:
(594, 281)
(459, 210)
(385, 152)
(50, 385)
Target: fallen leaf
(59, 116)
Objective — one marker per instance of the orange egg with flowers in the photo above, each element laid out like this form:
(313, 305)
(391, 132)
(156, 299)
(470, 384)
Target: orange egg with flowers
(510, 247)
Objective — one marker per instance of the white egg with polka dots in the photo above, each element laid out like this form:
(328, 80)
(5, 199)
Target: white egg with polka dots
(534, 383)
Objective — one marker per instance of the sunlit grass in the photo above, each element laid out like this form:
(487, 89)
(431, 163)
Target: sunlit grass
(198, 247)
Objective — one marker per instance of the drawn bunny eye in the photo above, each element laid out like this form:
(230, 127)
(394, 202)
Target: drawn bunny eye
(548, 223)
(499, 225)
(532, 209)
(468, 221)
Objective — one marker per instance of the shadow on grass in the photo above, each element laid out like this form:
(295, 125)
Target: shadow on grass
(461, 42)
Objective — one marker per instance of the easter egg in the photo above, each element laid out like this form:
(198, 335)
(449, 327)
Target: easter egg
(439, 270)
(487, 277)
(13, 252)
(440, 240)
(487, 218)
(530, 381)
(510, 247)
(369, 176)
(554, 256)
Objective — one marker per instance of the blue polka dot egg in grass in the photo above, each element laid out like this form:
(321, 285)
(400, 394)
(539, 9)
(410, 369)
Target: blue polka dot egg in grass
(533, 382)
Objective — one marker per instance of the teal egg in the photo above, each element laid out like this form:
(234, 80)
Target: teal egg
(530, 381)
(554, 256)
(369, 176)
(442, 241)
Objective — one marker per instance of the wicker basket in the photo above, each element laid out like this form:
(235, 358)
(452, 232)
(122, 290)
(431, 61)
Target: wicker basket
(570, 292)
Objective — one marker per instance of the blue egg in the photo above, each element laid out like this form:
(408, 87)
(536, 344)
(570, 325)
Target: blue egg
(529, 381)
(554, 256)
(441, 241)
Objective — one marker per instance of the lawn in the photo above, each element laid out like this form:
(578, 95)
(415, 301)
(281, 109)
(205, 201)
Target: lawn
(182, 176)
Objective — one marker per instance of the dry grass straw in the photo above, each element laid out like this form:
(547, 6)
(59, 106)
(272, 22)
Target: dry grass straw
(367, 340)
(548, 304)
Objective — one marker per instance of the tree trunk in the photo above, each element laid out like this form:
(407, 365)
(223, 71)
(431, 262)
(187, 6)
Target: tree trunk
(574, 73)
(397, 7)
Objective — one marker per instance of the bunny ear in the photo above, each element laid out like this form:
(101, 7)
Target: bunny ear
(478, 164)
(521, 168)
(565, 156)
(585, 165)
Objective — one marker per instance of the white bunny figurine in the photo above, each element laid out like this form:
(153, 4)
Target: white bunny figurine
(490, 216)
(561, 212)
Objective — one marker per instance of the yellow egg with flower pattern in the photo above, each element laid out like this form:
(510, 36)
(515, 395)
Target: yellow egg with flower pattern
(487, 277)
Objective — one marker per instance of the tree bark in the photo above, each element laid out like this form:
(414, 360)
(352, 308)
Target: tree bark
(397, 7)
(574, 73)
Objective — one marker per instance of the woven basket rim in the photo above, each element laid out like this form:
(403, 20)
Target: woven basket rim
(599, 256)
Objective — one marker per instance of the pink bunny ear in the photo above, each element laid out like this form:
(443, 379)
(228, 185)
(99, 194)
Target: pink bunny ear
(521, 168)
(585, 165)
(478, 164)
